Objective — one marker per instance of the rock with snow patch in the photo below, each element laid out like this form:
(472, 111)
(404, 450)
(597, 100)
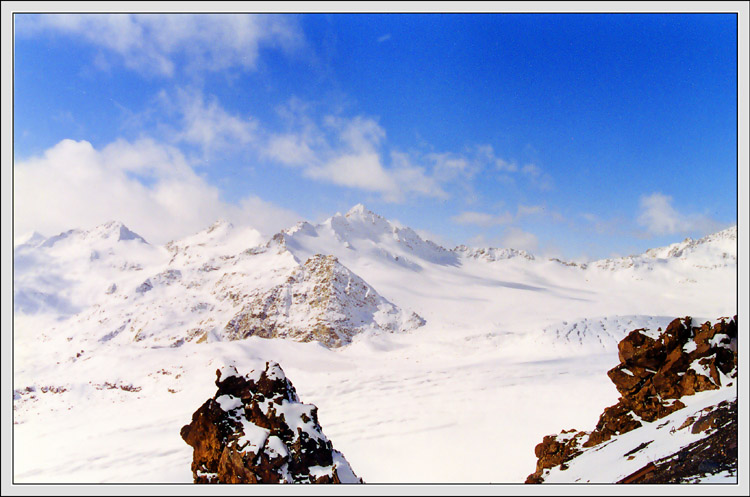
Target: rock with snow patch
(256, 430)
(320, 300)
(655, 372)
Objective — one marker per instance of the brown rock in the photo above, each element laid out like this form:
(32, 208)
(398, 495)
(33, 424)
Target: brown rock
(677, 333)
(553, 451)
(627, 378)
(652, 376)
(705, 333)
(676, 361)
(637, 349)
(667, 384)
(243, 434)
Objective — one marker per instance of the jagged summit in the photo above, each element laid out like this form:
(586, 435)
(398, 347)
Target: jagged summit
(364, 233)
(114, 231)
(721, 242)
(360, 210)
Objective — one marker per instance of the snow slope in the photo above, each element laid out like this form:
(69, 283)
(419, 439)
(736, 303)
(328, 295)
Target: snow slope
(627, 453)
(463, 398)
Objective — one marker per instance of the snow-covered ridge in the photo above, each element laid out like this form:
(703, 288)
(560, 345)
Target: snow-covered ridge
(221, 240)
(492, 254)
(111, 231)
(73, 271)
(321, 300)
(712, 251)
(67, 273)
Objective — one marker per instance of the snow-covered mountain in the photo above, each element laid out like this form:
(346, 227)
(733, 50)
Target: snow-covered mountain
(192, 288)
(710, 252)
(390, 335)
(321, 300)
(65, 274)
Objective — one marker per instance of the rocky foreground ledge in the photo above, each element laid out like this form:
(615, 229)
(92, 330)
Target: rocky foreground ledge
(657, 376)
(256, 430)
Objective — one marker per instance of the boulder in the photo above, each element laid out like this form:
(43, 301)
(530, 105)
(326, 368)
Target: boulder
(256, 430)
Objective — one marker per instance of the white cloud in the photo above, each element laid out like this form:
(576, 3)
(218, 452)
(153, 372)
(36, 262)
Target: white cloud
(204, 122)
(358, 133)
(147, 185)
(486, 220)
(448, 166)
(349, 152)
(290, 149)
(482, 219)
(538, 177)
(163, 44)
(519, 239)
(659, 217)
(487, 153)
(384, 37)
(414, 178)
(359, 170)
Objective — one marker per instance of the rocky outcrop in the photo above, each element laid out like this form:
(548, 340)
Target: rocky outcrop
(321, 300)
(256, 430)
(654, 373)
(717, 452)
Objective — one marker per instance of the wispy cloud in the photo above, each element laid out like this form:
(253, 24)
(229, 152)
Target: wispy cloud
(517, 238)
(202, 121)
(348, 151)
(482, 218)
(384, 37)
(659, 217)
(351, 152)
(159, 44)
(538, 177)
(486, 220)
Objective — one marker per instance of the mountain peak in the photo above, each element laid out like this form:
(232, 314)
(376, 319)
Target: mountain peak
(358, 209)
(219, 224)
(320, 300)
(116, 230)
(31, 239)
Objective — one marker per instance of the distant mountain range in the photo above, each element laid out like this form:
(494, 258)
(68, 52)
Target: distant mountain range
(305, 283)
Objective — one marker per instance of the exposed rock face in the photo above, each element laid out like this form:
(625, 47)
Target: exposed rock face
(321, 300)
(256, 430)
(715, 453)
(653, 374)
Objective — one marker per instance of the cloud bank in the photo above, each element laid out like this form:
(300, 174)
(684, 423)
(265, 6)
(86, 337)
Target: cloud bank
(145, 184)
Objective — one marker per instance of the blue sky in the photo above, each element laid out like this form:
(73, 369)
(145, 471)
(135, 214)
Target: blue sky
(570, 135)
